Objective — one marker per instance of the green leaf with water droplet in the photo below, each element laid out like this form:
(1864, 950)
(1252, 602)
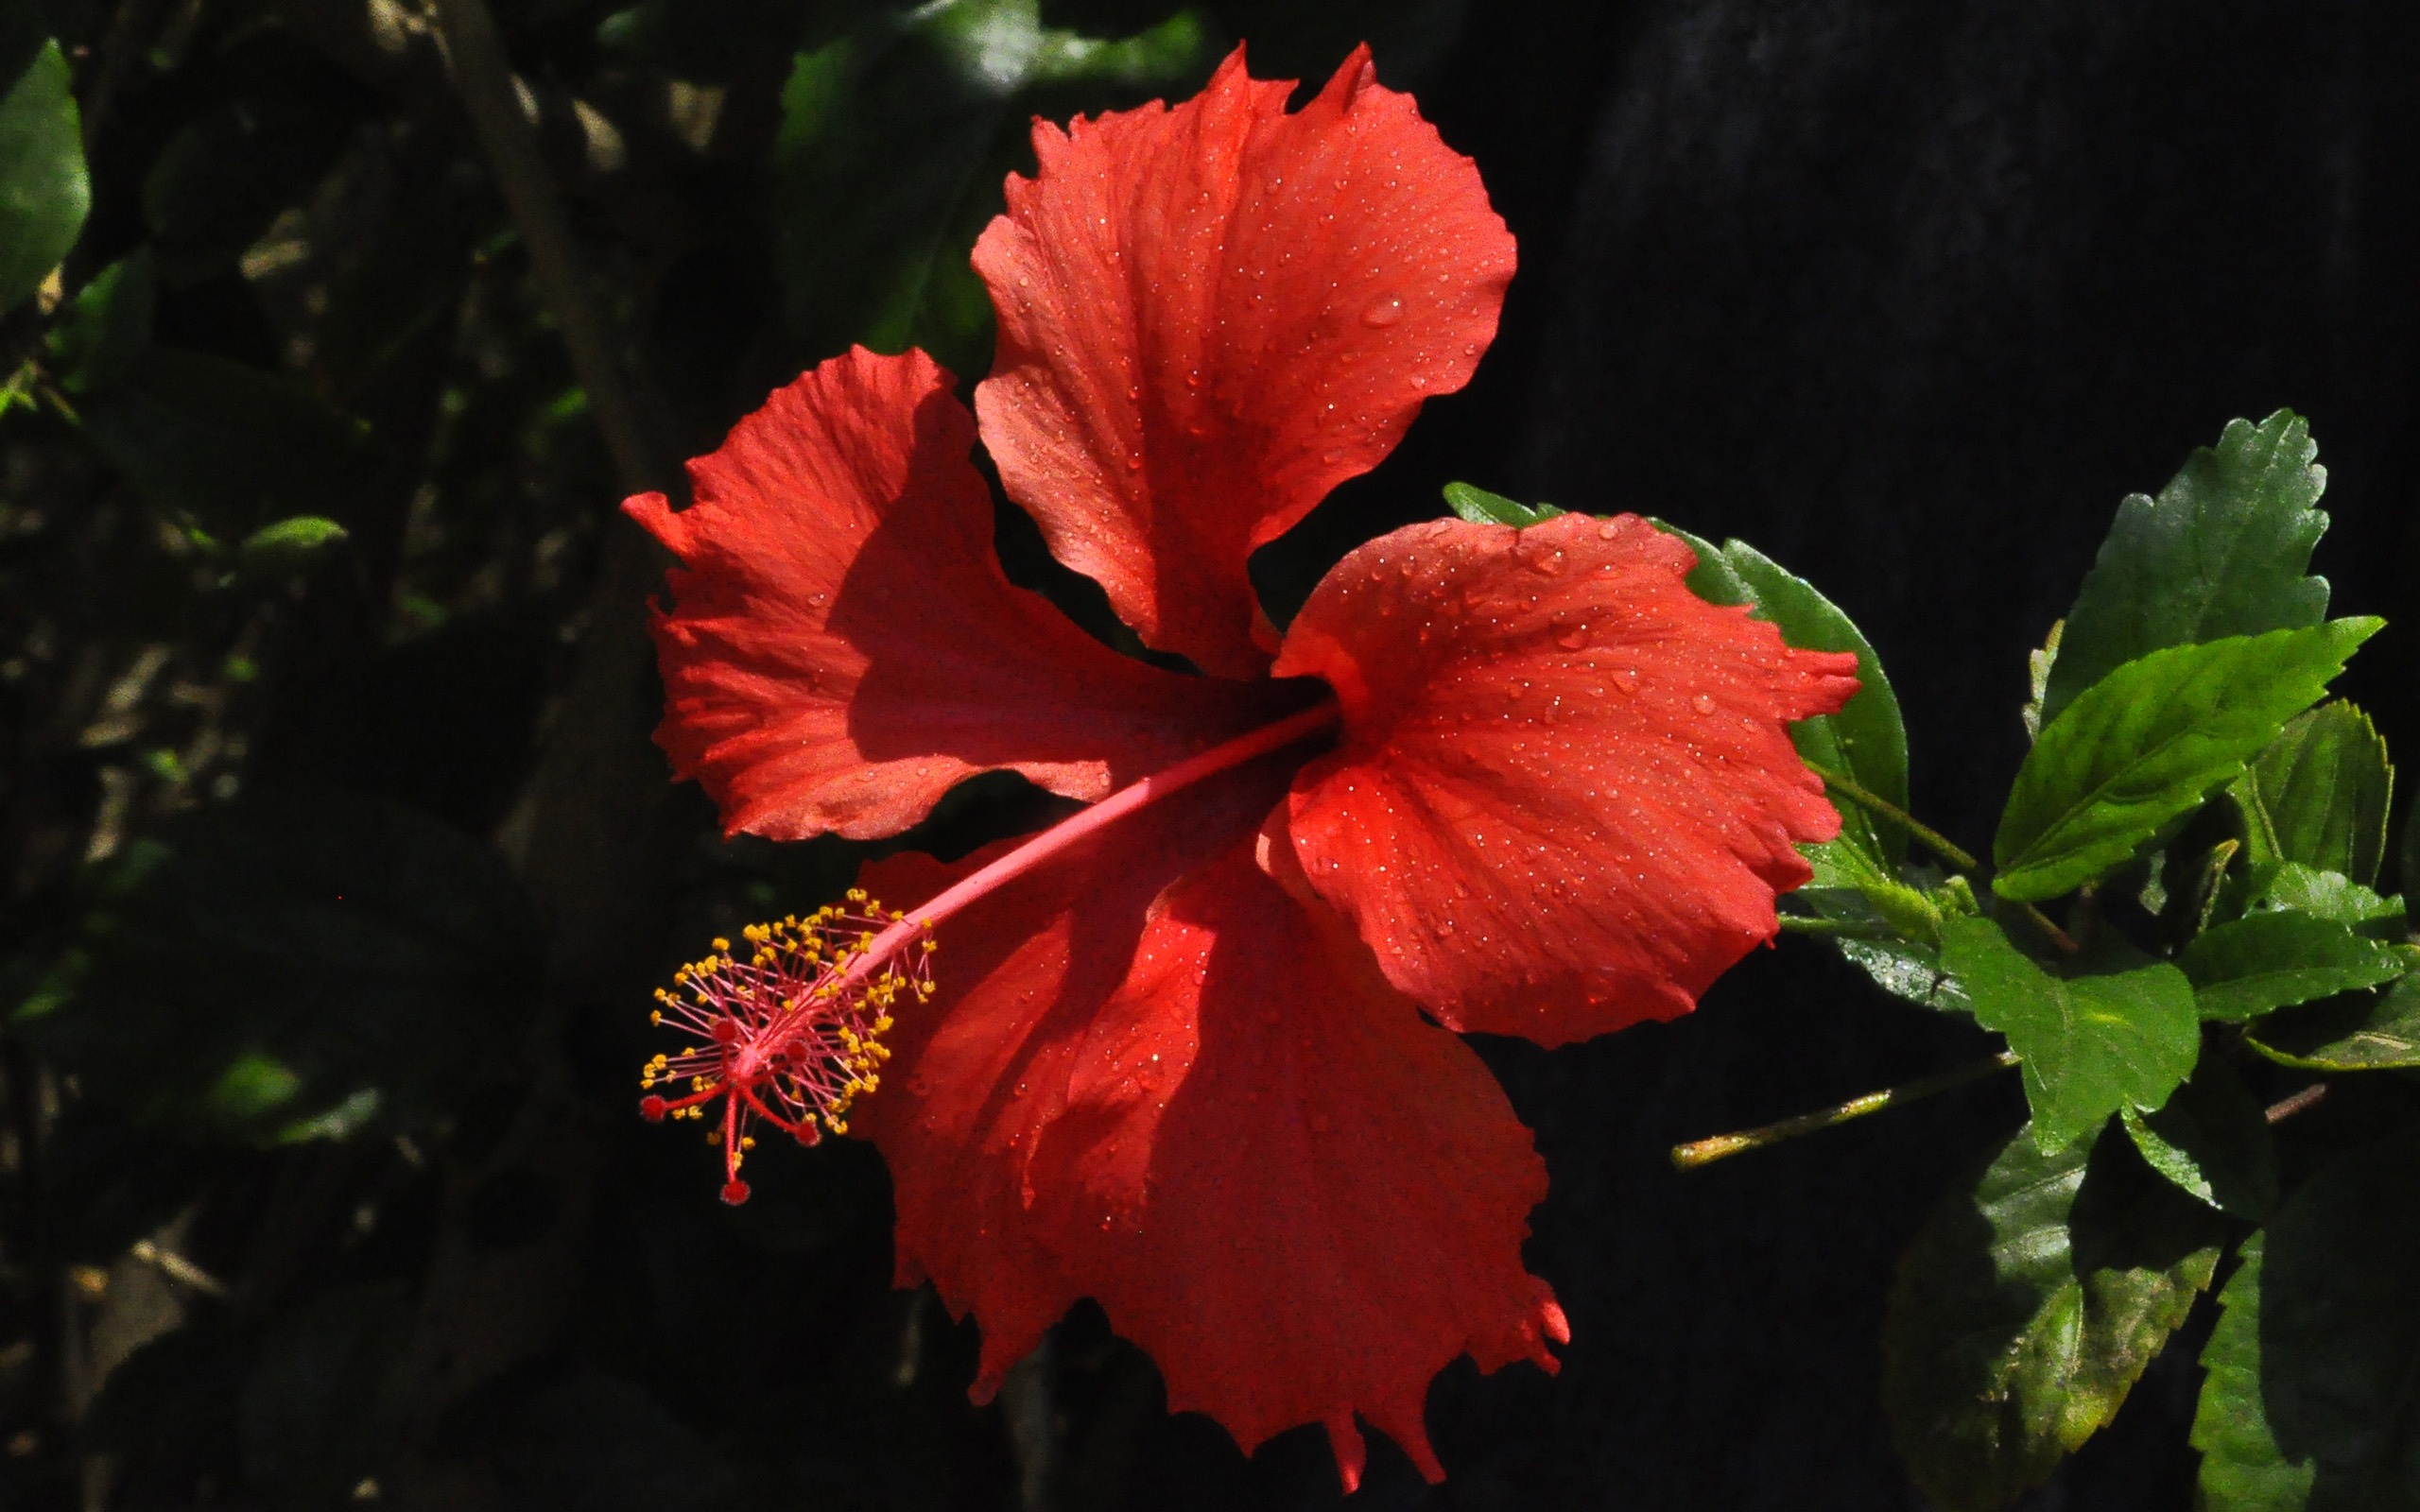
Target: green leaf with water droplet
(2222, 552)
(2026, 1308)
(2112, 1031)
(45, 191)
(2146, 743)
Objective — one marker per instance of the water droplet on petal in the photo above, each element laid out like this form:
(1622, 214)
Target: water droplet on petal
(1571, 635)
(1702, 703)
(1383, 311)
(1608, 531)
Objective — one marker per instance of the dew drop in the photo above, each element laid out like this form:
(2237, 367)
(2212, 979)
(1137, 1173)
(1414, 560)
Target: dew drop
(1702, 703)
(1571, 635)
(1383, 311)
(1608, 531)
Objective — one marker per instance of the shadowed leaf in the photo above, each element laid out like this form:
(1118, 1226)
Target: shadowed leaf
(2026, 1308)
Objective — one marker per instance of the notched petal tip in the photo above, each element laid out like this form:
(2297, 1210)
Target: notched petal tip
(1352, 1454)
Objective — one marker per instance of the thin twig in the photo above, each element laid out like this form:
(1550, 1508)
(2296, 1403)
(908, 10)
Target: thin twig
(2059, 937)
(1704, 1152)
(492, 101)
(177, 1268)
(2287, 1107)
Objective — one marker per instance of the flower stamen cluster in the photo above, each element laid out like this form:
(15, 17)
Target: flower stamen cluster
(792, 1024)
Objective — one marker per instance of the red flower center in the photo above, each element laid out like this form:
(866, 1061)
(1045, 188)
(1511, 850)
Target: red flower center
(794, 1032)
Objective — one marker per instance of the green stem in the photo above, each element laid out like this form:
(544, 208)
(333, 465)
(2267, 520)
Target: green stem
(1803, 924)
(1704, 1152)
(1933, 839)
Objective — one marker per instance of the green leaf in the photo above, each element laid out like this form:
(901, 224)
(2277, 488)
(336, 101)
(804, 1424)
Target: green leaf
(2038, 663)
(2411, 877)
(45, 191)
(1911, 971)
(2212, 1140)
(2147, 742)
(287, 548)
(2329, 895)
(894, 144)
(2362, 1034)
(2272, 960)
(231, 447)
(1866, 740)
(2026, 1308)
(2319, 793)
(327, 1396)
(2222, 552)
(2092, 1042)
(2241, 1470)
(1481, 508)
(98, 334)
(290, 967)
(2312, 1397)
(220, 181)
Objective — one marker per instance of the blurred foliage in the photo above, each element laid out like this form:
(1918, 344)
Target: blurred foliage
(337, 869)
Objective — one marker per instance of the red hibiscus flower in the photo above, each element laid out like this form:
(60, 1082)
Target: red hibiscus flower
(1175, 1056)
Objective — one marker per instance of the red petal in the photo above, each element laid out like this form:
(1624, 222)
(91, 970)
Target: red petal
(976, 1078)
(1215, 1117)
(844, 646)
(1212, 314)
(1566, 793)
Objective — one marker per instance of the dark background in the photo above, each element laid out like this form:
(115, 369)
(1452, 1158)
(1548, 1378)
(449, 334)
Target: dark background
(1906, 295)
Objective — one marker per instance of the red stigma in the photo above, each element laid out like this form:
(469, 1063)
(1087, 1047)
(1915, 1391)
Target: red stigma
(788, 1029)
